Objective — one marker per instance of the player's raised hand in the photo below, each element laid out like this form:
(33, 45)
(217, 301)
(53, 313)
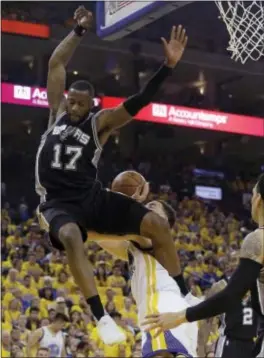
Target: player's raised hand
(174, 49)
(163, 321)
(141, 193)
(83, 17)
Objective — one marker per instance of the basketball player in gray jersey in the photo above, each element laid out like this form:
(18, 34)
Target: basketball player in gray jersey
(249, 276)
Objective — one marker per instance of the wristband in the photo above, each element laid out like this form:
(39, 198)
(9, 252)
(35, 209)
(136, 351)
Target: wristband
(181, 283)
(79, 30)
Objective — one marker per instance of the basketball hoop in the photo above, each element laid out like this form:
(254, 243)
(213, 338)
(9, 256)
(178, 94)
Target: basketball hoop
(245, 24)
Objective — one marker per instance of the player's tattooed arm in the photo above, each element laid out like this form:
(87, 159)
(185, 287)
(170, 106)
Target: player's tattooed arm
(253, 247)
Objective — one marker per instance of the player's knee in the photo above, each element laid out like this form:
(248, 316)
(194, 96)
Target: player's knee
(155, 227)
(70, 236)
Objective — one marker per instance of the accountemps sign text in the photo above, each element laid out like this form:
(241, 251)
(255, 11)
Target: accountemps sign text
(187, 116)
(37, 95)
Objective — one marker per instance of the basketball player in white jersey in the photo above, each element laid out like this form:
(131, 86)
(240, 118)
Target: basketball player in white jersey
(249, 276)
(154, 290)
(50, 337)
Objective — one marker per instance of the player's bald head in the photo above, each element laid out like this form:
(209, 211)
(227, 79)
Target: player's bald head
(82, 86)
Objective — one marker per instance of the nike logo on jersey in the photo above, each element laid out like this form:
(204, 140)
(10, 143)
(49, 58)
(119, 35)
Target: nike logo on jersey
(65, 131)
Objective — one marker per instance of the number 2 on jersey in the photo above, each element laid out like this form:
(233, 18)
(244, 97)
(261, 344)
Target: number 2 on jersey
(247, 316)
(74, 154)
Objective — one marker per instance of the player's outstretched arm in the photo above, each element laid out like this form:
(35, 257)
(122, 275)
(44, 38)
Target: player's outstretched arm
(59, 59)
(173, 50)
(242, 280)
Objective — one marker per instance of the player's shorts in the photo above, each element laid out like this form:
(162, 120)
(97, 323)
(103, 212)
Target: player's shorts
(102, 211)
(178, 341)
(231, 348)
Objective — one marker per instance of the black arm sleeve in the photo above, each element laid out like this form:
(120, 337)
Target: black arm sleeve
(181, 283)
(241, 281)
(135, 103)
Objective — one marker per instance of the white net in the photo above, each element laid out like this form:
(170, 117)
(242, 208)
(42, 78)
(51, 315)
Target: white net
(245, 23)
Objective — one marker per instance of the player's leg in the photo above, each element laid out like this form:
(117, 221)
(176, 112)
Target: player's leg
(65, 234)
(119, 214)
(71, 238)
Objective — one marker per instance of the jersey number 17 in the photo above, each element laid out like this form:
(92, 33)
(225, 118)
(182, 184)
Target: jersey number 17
(73, 152)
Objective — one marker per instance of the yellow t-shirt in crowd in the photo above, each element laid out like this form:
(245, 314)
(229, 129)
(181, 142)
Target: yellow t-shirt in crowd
(189, 270)
(74, 298)
(43, 313)
(212, 338)
(131, 314)
(31, 291)
(218, 240)
(116, 281)
(11, 240)
(101, 283)
(38, 284)
(6, 264)
(11, 285)
(24, 336)
(55, 268)
(8, 297)
(27, 266)
(11, 316)
(202, 221)
(6, 326)
(113, 350)
(44, 304)
(5, 353)
(204, 232)
(118, 301)
(68, 285)
(182, 228)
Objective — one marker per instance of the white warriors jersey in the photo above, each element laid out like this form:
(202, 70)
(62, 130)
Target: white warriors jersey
(154, 290)
(53, 341)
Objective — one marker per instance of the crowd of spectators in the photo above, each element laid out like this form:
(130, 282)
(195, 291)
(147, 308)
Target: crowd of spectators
(37, 281)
